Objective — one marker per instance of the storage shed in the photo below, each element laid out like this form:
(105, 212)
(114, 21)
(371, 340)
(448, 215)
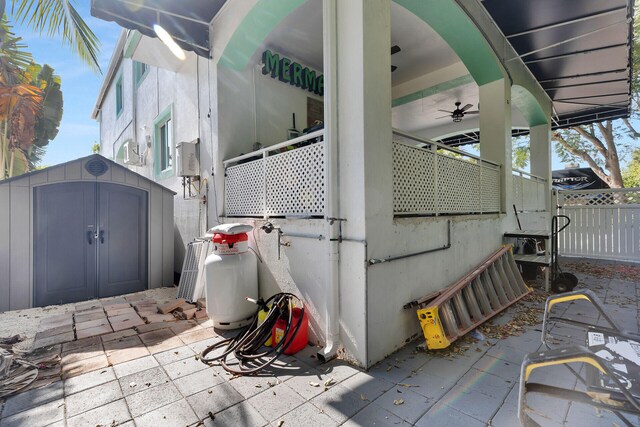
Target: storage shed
(89, 228)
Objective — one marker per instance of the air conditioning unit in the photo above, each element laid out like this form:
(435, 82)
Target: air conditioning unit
(131, 153)
(187, 161)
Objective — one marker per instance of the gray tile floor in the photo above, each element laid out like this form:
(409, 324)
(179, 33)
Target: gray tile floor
(476, 388)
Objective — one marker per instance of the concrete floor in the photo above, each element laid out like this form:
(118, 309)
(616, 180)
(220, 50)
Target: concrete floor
(475, 385)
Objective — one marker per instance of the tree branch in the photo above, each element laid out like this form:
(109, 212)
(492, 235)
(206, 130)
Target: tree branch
(592, 138)
(632, 130)
(583, 155)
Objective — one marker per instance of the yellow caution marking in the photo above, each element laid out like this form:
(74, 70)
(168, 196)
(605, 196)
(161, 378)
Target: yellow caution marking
(582, 359)
(566, 298)
(432, 328)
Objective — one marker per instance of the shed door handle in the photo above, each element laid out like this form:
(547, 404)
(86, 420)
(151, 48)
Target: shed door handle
(89, 237)
(101, 236)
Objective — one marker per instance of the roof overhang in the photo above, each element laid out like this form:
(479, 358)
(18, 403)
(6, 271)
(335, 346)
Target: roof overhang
(187, 21)
(114, 63)
(579, 51)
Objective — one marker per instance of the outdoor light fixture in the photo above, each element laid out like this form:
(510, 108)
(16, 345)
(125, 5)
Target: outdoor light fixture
(166, 38)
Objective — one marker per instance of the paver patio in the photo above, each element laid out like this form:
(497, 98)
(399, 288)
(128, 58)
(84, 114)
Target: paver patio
(150, 377)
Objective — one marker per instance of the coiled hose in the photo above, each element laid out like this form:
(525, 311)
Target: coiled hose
(245, 347)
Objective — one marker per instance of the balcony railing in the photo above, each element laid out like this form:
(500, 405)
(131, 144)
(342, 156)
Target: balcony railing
(286, 179)
(434, 179)
(529, 193)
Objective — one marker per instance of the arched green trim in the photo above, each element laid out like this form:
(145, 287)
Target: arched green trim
(528, 106)
(253, 29)
(461, 34)
(444, 16)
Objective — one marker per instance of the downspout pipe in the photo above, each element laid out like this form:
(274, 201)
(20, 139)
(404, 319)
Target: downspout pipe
(332, 314)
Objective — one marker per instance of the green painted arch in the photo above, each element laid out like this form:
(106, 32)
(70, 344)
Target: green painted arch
(528, 105)
(254, 28)
(447, 19)
(444, 16)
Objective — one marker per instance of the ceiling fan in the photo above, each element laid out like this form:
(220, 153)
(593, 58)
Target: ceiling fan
(458, 113)
(394, 49)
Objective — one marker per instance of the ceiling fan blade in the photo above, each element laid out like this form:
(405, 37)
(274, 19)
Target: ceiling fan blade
(472, 112)
(395, 49)
(443, 117)
(393, 68)
(466, 107)
(445, 111)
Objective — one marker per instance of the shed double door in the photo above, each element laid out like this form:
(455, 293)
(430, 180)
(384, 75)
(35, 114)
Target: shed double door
(90, 241)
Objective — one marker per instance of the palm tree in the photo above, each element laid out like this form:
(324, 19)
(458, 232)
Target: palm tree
(58, 18)
(30, 106)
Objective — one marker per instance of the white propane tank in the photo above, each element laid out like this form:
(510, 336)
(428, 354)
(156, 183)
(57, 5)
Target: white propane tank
(231, 275)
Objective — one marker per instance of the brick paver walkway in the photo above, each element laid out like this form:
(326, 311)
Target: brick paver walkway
(150, 377)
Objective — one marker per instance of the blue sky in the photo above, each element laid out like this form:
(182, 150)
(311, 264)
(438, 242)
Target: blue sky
(80, 86)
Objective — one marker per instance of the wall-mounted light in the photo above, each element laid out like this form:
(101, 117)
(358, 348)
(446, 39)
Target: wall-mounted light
(166, 38)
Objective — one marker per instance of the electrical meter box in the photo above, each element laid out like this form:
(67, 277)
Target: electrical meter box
(187, 159)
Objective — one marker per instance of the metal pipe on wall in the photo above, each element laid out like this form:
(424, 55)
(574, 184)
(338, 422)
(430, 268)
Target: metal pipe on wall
(332, 314)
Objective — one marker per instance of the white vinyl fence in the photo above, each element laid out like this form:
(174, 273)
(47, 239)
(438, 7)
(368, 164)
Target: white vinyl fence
(604, 223)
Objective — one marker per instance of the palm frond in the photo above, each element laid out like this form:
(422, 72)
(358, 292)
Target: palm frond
(60, 18)
(14, 60)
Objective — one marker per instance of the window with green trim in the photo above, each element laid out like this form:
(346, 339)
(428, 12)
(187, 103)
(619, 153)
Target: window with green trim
(141, 71)
(163, 144)
(119, 95)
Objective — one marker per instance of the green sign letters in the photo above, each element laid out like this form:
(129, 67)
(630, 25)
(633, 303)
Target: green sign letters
(291, 72)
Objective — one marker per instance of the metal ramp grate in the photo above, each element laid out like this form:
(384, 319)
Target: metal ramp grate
(191, 286)
(484, 292)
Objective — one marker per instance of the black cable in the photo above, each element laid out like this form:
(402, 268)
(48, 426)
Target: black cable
(245, 346)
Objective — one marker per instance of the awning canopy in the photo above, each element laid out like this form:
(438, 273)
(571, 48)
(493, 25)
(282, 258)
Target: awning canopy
(579, 51)
(187, 21)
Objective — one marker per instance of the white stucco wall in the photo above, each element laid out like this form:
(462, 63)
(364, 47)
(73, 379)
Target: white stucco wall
(158, 90)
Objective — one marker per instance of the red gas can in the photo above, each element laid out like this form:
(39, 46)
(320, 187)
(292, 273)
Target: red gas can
(302, 336)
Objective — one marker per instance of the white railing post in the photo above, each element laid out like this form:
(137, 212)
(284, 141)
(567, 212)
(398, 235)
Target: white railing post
(436, 184)
(265, 214)
(480, 167)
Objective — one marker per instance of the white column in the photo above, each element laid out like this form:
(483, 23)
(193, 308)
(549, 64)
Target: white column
(364, 113)
(495, 134)
(540, 150)
(357, 69)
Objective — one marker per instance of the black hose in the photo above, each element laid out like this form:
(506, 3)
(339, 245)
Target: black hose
(245, 347)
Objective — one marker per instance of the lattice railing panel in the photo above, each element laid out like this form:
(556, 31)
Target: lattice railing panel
(517, 191)
(529, 193)
(604, 197)
(490, 189)
(295, 182)
(244, 189)
(428, 183)
(413, 180)
(530, 200)
(458, 186)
